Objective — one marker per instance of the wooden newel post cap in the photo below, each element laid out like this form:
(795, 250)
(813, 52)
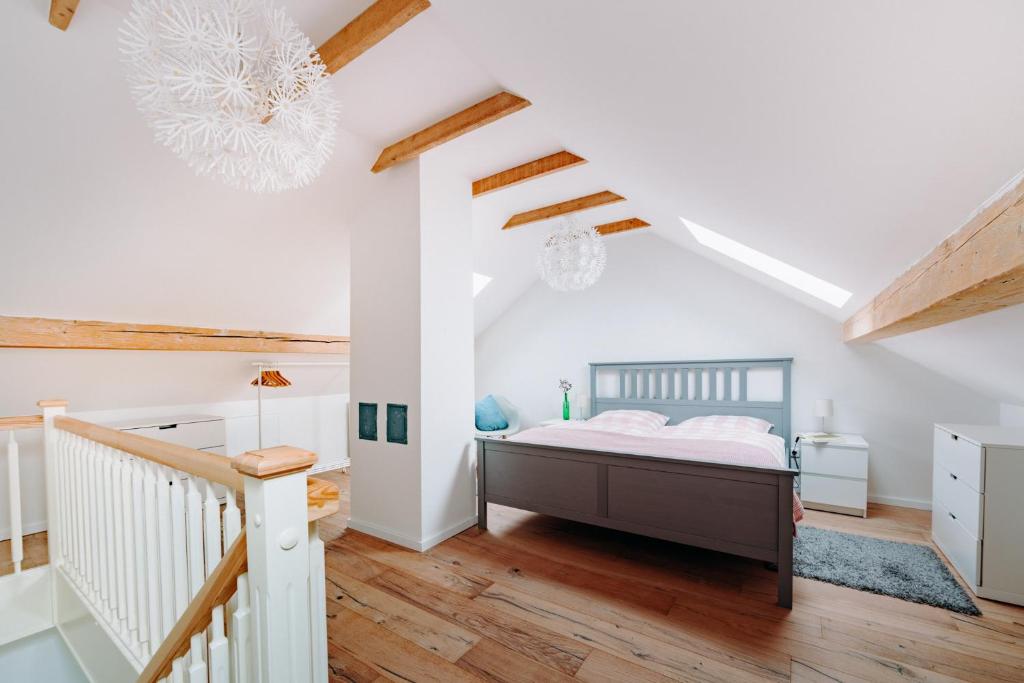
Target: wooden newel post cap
(52, 403)
(273, 462)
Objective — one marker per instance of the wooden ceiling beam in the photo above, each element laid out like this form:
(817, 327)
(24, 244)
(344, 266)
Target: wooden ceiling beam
(48, 333)
(61, 13)
(621, 226)
(538, 168)
(480, 114)
(571, 206)
(376, 23)
(980, 268)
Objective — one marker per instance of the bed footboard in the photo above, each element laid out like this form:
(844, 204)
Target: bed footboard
(741, 510)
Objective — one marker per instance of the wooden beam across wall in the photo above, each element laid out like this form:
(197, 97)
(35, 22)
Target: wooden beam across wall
(571, 206)
(61, 13)
(376, 23)
(48, 333)
(980, 268)
(621, 226)
(480, 114)
(538, 168)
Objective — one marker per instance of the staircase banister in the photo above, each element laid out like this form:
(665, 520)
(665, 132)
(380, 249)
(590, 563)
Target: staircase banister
(217, 590)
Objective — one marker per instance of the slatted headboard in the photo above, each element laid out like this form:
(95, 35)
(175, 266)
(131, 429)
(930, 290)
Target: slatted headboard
(685, 389)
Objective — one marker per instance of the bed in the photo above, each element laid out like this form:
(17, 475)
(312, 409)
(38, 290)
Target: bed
(717, 503)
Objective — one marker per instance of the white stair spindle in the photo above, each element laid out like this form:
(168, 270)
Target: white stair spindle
(120, 564)
(153, 592)
(92, 512)
(240, 631)
(14, 491)
(163, 521)
(148, 642)
(130, 570)
(232, 518)
(177, 671)
(194, 535)
(211, 528)
(179, 546)
(219, 657)
(81, 461)
(197, 667)
(110, 575)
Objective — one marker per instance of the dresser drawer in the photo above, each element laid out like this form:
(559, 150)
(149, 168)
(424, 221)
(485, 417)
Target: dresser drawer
(960, 457)
(836, 493)
(962, 549)
(199, 435)
(834, 461)
(960, 500)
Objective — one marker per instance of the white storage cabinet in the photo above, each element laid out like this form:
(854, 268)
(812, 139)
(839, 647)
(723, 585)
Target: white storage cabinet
(977, 518)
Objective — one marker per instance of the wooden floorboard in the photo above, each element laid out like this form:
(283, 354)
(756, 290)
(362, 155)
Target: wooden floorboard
(540, 599)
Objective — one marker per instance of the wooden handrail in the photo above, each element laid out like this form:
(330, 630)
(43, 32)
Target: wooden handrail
(21, 422)
(322, 498)
(214, 468)
(219, 587)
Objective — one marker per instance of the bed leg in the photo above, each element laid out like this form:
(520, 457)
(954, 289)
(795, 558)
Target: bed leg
(785, 545)
(481, 493)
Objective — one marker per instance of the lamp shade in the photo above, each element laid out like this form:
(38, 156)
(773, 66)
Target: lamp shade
(823, 407)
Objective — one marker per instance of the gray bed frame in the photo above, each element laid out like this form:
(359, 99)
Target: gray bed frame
(738, 509)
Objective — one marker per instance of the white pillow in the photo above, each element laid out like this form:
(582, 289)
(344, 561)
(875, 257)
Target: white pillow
(741, 423)
(633, 422)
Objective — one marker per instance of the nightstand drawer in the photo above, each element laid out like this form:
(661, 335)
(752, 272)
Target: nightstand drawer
(835, 493)
(960, 457)
(834, 461)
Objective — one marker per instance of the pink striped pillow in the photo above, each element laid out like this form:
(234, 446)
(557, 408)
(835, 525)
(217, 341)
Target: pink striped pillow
(633, 422)
(741, 423)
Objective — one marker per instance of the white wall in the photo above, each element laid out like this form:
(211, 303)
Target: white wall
(447, 455)
(412, 344)
(1011, 415)
(657, 301)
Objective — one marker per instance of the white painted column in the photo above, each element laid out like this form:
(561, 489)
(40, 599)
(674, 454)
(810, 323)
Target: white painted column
(278, 552)
(412, 344)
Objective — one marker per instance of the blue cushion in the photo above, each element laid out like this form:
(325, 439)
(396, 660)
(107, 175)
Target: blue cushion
(489, 417)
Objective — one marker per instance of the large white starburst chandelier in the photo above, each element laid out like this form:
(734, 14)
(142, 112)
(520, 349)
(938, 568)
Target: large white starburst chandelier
(233, 87)
(572, 258)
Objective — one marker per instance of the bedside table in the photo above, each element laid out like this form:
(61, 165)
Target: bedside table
(557, 421)
(834, 475)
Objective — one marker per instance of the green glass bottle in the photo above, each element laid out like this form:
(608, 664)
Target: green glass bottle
(565, 406)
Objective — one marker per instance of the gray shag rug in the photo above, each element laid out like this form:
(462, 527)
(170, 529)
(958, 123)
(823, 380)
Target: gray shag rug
(907, 571)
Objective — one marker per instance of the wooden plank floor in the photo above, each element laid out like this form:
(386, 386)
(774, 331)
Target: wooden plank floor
(539, 599)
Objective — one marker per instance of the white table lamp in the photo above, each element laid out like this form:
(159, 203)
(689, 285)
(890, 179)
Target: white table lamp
(823, 409)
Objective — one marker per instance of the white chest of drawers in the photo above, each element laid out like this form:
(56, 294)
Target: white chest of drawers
(834, 475)
(977, 516)
(201, 432)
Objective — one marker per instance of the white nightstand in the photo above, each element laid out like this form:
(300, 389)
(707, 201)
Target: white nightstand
(834, 475)
(557, 421)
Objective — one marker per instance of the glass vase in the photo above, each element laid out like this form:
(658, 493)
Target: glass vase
(565, 406)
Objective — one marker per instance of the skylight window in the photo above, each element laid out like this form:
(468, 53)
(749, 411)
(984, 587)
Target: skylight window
(794, 277)
(479, 282)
